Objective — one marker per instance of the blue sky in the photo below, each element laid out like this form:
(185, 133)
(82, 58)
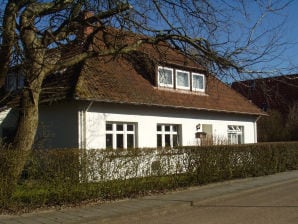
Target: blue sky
(287, 61)
(281, 38)
(290, 34)
(284, 60)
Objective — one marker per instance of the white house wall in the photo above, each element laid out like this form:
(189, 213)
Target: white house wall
(58, 126)
(146, 119)
(82, 124)
(8, 119)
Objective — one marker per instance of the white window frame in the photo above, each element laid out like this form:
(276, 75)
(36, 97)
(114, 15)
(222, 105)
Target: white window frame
(172, 132)
(158, 77)
(124, 132)
(234, 132)
(188, 76)
(192, 79)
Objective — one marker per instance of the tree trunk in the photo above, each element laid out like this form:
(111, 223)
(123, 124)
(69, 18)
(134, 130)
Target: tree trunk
(24, 139)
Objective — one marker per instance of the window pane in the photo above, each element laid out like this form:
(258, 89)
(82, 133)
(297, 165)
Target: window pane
(198, 82)
(119, 140)
(158, 127)
(130, 127)
(182, 79)
(165, 76)
(109, 141)
(119, 127)
(11, 82)
(239, 139)
(167, 128)
(159, 141)
(175, 128)
(109, 127)
(167, 140)
(21, 81)
(130, 141)
(175, 140)
(8, 134)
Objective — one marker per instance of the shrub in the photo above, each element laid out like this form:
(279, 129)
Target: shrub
(57, 177)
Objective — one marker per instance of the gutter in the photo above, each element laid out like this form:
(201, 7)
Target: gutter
(175, 107)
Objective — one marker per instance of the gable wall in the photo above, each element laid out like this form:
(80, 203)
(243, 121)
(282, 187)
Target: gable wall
(146, 119)
(8, 119)
(58, 126)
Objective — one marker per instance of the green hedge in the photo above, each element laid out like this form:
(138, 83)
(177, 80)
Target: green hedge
(59, 177)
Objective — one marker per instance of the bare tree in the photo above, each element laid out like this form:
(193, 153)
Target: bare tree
(35, 33)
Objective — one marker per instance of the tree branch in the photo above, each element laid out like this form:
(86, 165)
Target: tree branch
(8, 35)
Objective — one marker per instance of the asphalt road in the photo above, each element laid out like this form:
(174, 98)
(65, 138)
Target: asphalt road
(275, 203)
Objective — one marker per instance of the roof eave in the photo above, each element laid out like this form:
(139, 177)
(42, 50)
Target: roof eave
(176, 107)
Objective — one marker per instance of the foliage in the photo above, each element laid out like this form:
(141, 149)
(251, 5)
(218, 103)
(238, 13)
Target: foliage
(271, 128)
(70, 176)
(279, 126)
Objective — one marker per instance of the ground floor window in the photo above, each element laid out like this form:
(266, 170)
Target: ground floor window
(168, 135)
(235, 134)
(8, 134)
(120, 135)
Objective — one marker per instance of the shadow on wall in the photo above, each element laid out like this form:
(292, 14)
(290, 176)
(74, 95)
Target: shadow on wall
(8, 124)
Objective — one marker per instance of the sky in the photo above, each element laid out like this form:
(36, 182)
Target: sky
(286, 60)
(288, 35)
(282, 35)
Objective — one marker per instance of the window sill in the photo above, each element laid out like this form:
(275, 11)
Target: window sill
(196, 92)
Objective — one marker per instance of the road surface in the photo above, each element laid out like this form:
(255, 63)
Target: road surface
(276, 203)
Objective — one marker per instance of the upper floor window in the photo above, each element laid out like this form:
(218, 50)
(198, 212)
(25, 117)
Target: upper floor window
(120, 135)
(182, 79)
(165, 77)
(198, 82)
(14, 82)
(235, 134)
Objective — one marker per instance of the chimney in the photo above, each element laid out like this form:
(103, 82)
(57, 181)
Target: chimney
(86, 28)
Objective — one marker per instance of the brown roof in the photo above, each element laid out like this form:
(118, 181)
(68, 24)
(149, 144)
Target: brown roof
(278, 92)
(131, 79)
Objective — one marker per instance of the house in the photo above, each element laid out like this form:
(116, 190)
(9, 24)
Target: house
(277, 96)
(154, 96)
(272, 93)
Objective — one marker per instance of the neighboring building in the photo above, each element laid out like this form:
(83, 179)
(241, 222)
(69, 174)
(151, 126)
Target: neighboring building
(152, 97)
(277, 96)
(274, 93)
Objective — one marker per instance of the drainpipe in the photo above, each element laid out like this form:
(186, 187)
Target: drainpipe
(256, 129)
(85, 123)
(83, 126)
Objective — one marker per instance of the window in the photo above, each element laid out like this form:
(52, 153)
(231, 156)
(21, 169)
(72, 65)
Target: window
(198, 82)
(8, 134)
(235, 134)
(182, 79)
(120, 135)
(165, 77)
(167, 135)
(14, 82)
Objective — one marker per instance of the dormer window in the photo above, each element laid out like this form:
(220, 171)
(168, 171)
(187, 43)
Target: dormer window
(173, 78)
(165, 77)
(198, 82)
(182, 80)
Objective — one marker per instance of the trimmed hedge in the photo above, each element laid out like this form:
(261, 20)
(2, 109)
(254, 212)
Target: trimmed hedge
(70, 176)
